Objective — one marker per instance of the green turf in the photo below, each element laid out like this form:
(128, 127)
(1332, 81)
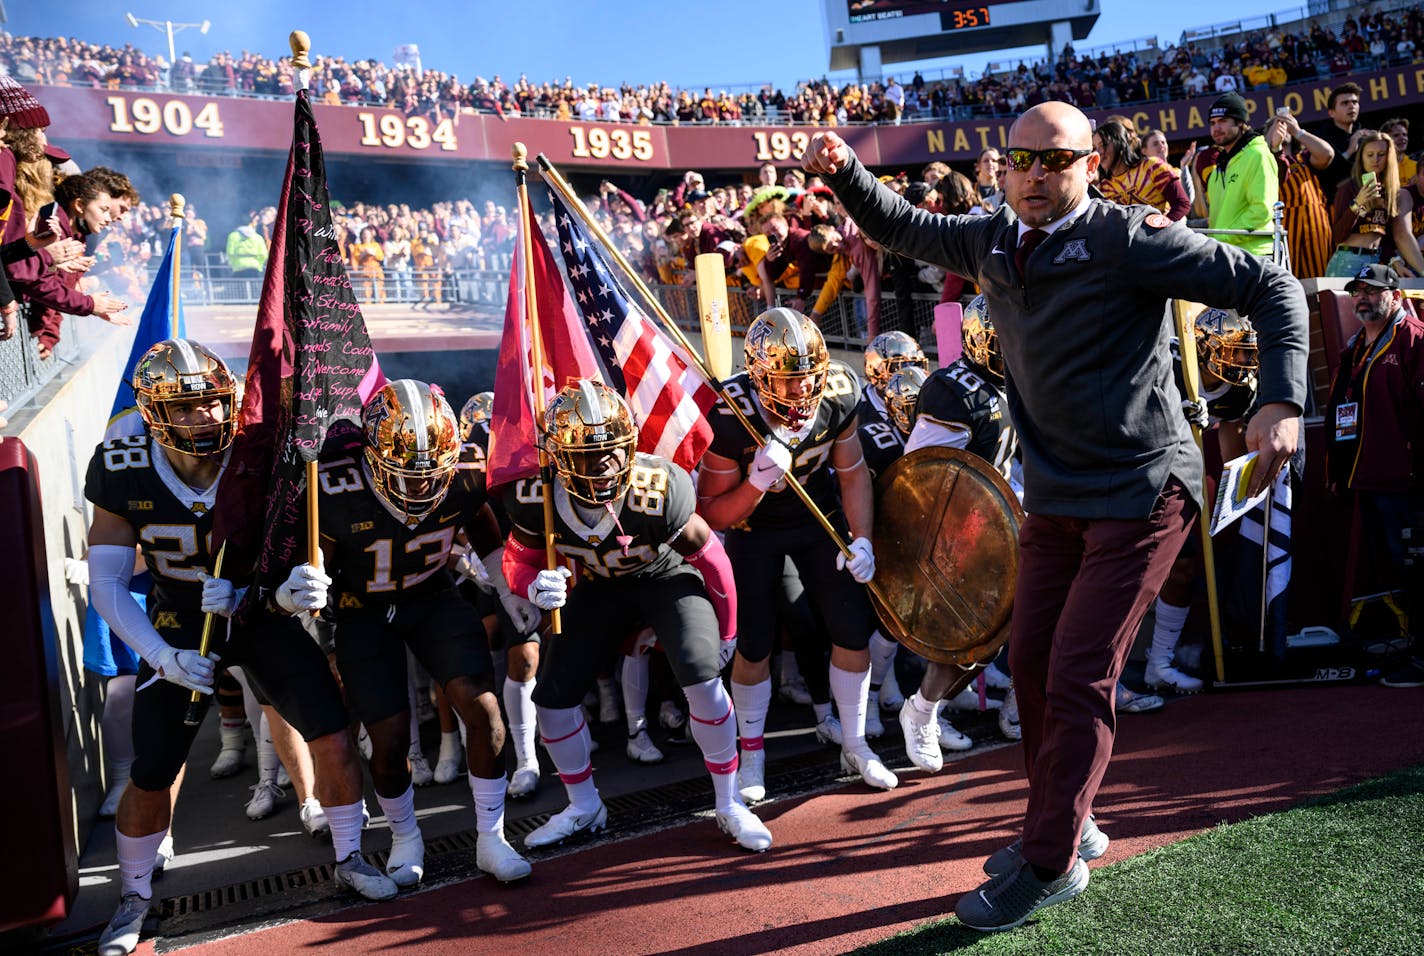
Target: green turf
(1342, 874)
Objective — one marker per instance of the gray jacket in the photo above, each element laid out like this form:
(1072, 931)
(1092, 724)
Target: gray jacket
(1085, 336)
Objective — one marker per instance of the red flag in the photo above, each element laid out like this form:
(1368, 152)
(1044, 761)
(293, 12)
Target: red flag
(567, 357)
(311, 366)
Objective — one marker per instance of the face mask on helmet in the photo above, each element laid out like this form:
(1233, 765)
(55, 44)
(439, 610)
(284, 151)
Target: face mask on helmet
(902, 392)
(787, 361)
(478, 408)
(412, 445)
(187, 397)
(891, 352)
(1226, 345)
(592, 438)
(981, 341)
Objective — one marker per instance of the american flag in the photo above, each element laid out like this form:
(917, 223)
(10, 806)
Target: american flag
(669, 396)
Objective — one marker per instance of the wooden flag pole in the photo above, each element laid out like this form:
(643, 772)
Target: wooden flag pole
(531, 314)
(1187, 344)
(194, 714)
(176, 206)
(557, 181)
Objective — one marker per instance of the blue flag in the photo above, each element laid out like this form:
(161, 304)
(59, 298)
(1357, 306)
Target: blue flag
(157, 322)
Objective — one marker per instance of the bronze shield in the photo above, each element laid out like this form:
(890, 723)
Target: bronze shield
(947, 554)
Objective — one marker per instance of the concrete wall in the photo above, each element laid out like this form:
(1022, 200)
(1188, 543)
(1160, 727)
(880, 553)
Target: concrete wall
(61, 427)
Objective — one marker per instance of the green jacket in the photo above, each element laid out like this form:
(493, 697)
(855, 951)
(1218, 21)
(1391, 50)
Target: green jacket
(1243, 196)
(246, 249)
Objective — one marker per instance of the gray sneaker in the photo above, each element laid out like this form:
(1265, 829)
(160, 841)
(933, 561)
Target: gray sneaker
(358, 874)
(1008, 899)
(1092, 844)
(121, 935)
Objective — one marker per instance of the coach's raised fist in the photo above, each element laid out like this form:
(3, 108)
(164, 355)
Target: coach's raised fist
(827, 154)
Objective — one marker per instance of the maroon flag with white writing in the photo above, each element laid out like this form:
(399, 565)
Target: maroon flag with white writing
(311, 366)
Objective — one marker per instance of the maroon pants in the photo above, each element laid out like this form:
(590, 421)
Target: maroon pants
(1083, 589)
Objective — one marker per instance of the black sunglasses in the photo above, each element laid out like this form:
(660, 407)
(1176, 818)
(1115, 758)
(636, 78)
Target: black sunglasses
(1054, 160)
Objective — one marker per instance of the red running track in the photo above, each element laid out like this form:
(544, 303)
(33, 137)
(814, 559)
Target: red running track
(852, 866)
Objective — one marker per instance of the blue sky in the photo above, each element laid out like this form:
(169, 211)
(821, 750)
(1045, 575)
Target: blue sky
(738, 42)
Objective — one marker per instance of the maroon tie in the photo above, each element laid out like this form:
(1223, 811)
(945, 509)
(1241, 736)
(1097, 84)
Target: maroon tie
(1031, 240)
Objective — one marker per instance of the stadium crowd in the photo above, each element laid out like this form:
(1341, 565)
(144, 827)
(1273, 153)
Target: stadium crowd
(1264, 59)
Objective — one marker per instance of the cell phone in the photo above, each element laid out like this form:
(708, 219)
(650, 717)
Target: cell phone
(1366, 178)
(46, 213)
(1283, 111)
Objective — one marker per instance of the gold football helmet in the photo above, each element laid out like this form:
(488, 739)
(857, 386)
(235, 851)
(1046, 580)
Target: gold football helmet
(412, 445)
(591, 435)
(182, 371)
(478, 408)
(901, 394)
(787, 360)
(888, 353)
(1226, 345)
(981, 341)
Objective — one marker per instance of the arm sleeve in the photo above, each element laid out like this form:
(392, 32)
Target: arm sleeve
(30, 281)
(1178, 202)
(15, 251)
(1342, 219)
(712, 562)
(835, 281)
(110, 570)
(521, 565)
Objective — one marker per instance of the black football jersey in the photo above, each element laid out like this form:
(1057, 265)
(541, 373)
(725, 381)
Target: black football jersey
(132, 478)
(473, 471)
(871, 407)
(632, 539)
(376, 554)
(882, 444)
(810, 449)
(960, 394)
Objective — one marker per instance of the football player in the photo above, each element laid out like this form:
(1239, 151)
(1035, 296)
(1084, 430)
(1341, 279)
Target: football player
(803, 405)
(1227, 363)
(887, 353)
(960, 406)
(644, 558)
(519, 636)
(389, 517)
(156, 491)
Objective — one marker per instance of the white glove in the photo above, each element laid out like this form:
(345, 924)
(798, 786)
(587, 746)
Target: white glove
(186, 669)
(76, 571)
(491, 578)
(862, 561)
(725, 652)
(469, 567)
(304, 589)
(1196, 413)
(772, 462)
(523, 614)
(219, 596)
(550, 589)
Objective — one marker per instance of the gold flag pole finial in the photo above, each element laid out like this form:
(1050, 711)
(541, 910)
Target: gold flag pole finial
(176, 206)
(301, 44)
(521, 157)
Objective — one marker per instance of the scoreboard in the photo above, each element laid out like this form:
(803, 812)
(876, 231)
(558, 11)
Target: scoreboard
(866, 33)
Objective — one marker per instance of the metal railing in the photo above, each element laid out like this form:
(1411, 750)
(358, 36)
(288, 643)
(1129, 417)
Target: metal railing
(23, 373)
(1280, 244)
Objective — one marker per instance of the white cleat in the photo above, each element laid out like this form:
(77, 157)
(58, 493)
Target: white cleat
(365, 879)
(674, 721)
(891, 700)
(995, 679)
(608, 709)
(743, 826)
(314, 819)
(164, 856)
(420, 773)
(873, 727)
(120, 937)
(566, 823)
(641, 748)
(363, 742)
(950, 738)
(447, 769)
(264, 799)
(405, 864)
(523, 783)
(921, 738)
(751, 775)
(110, 807)
(1167, 677)
(229, 762)
(868, 766)
(967, 701)
(828, 731)
(1009, 717)
(495, 856)
(795, 692)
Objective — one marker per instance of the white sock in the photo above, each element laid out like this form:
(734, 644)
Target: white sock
(714, 729)
(117, 726)
(449, 746)
(923, 705)
(1167, 630)
(752, 702)
(851, 690)
(250, 706)
(136, 855)
(400, 813)
(882, 658)
(566, 737)
(489, 803)
(345, 823)
(634, 677)
(519, 706)
(822, 712)
(267, 762)
(230, 733)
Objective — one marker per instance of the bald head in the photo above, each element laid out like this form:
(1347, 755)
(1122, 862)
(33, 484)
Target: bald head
(1040, 195)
